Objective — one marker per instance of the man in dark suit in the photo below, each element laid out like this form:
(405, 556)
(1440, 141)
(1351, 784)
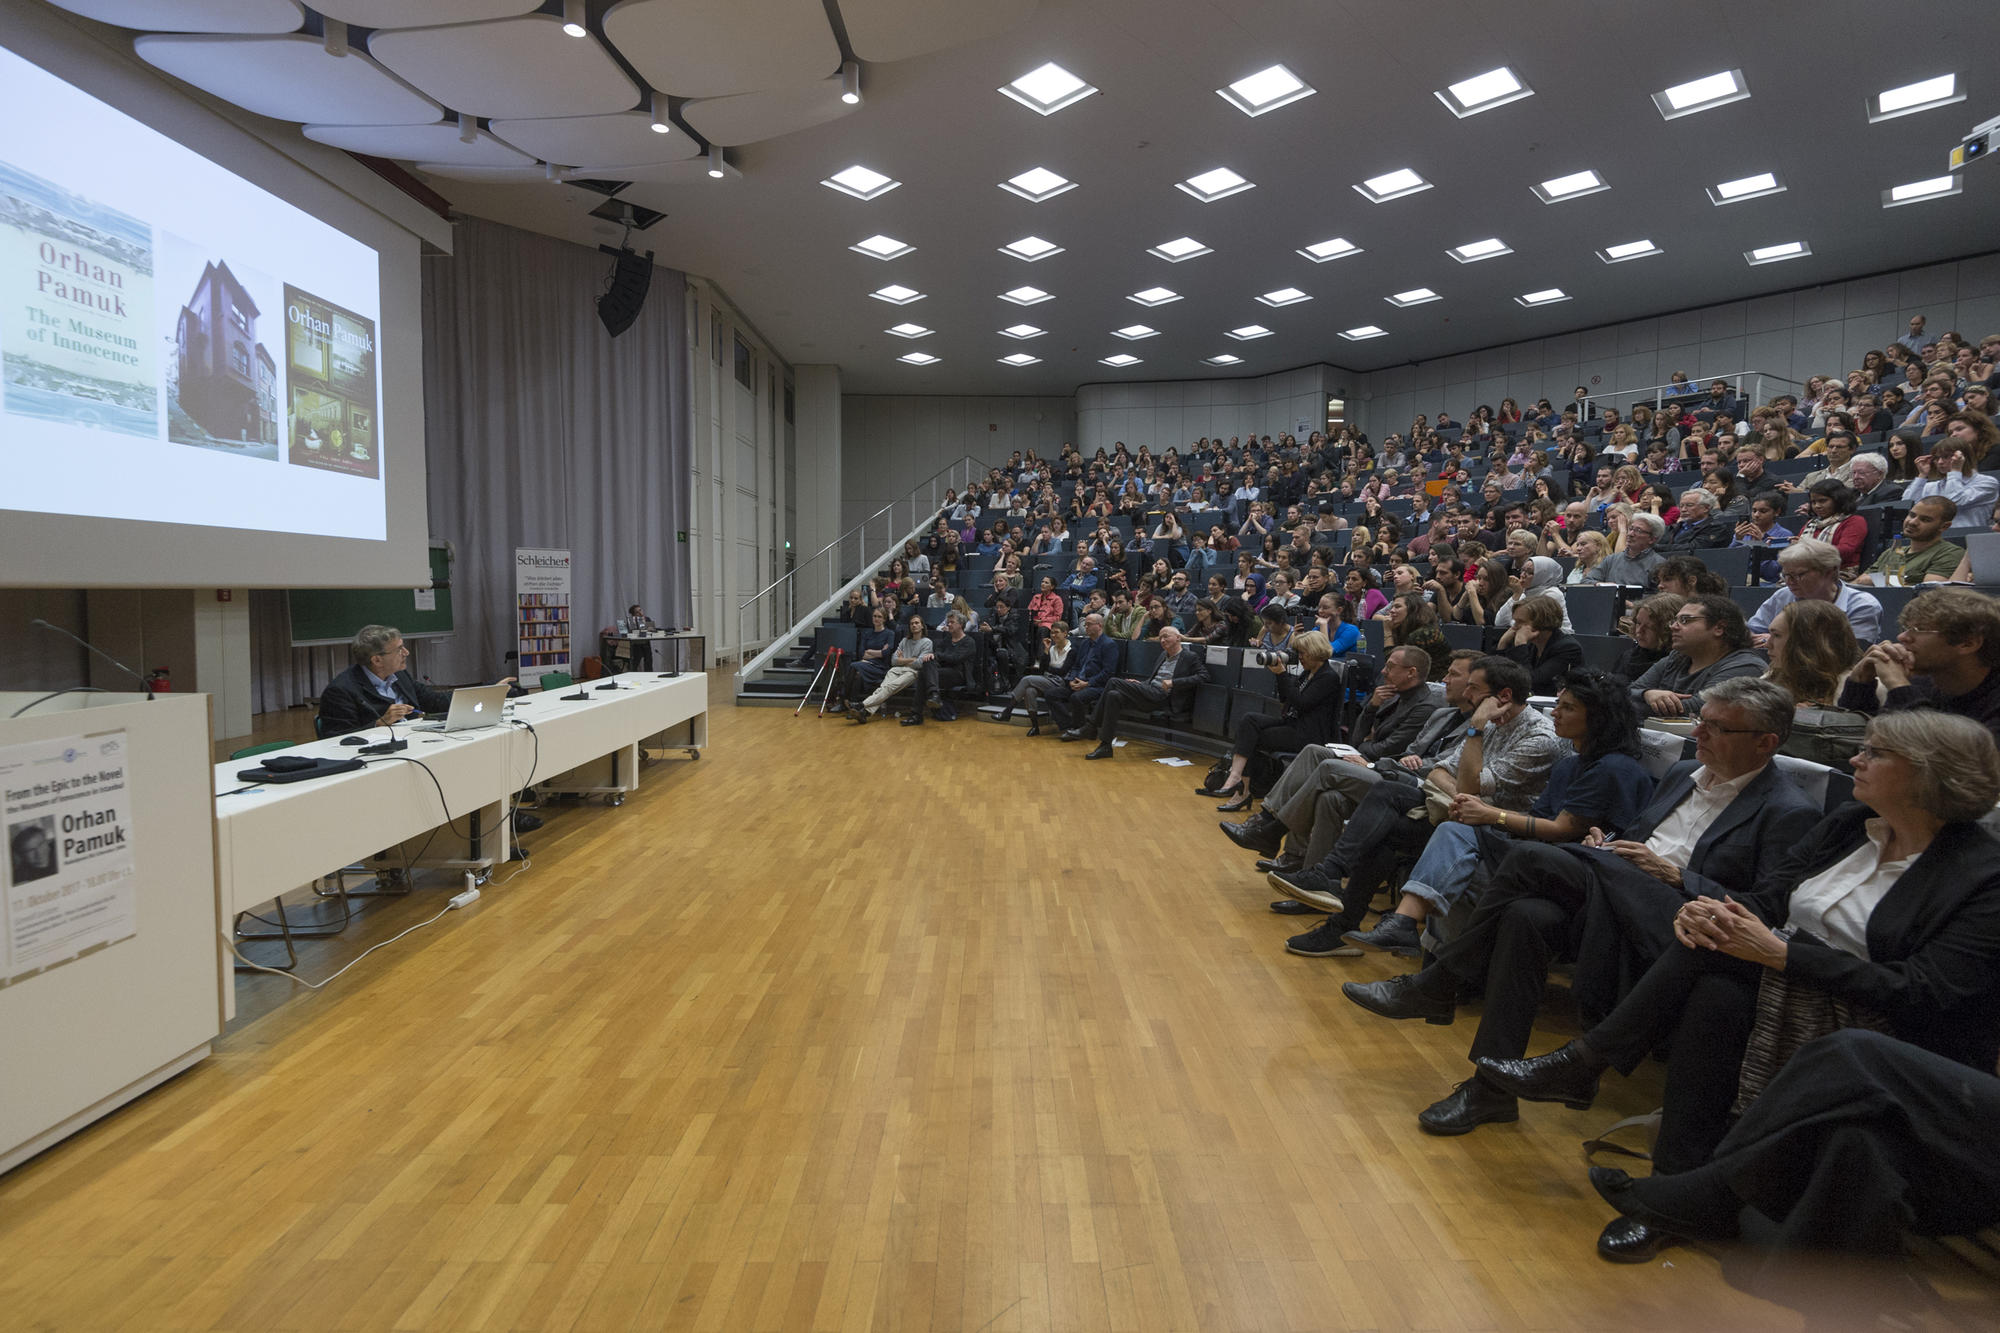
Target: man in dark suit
(1090, 670)
(378, 689)
(1716, 826)
(1171, 687)
(1702, 527)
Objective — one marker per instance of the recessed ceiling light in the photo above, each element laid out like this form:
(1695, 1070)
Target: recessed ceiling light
(1037, 184)
(1573, 186)
(1746, 187)
(1155, 296)
(1022, 331)
(1937, 187)
(1119, 359)
(1048, 90)
(1392, 185)
(1174, 252)
(1284, 296)
(1474, 251)
(1224, 360)
(1333, 249)
(918, 358)
(1364, 332)
(897, 294)
(881, 247)
(1772, 254)
(1019, 359)
(860, 182)
(1914, 97)
(1704, 94)
(1618, 254)
(1031, 248)
(1266, 90)
(1248, 332)
(907, 330)
(1210, 186)
(1027, 296)
(1414, 296)
(1547, 296)
(1483, 92)
(1132, 333)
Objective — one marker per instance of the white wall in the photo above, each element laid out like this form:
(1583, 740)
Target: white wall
(820, 454)
(890, 443)
(1179, 412)
(1821, 330)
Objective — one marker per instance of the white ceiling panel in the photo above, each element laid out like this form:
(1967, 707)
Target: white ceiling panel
(620, 140)
(519, 67)
(749, 117)
(239, 16)
(403, 14)
(421, 143)
(713, 48)
(289, 78)
(458, 171)
(883, 30)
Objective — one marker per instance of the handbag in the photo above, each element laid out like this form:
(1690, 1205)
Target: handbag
(1790, 1014)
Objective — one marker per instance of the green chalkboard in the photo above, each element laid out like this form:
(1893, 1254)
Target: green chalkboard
(331, 615)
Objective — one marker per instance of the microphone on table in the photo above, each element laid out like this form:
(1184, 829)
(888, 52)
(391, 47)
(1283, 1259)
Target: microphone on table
(144, 684)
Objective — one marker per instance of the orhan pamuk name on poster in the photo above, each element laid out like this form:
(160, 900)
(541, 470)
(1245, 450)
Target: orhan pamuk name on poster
(330, 376)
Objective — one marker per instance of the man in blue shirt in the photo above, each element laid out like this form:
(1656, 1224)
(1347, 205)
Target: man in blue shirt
(1083, 579)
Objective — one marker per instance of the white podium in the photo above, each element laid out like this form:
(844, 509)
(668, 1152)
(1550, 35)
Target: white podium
(111, 972)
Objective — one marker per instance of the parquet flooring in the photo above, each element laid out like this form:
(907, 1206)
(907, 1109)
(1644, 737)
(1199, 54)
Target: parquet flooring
(839, 1028)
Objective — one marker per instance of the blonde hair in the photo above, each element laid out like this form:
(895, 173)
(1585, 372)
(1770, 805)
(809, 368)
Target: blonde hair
(1954, 762)
(1312, 644)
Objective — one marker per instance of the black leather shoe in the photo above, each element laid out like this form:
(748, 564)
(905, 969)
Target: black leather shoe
(1398, 997)
(1309, 886)
(1034, 729)
(860, 715)
(1627, 1240)
(1071, 735)
(1671, 1205)
(1262, 832)
(914, 720)
(1293, 907)
(1103, 751)
(526, 821)
(1004, 715)
(1567, 1074)
(1394, 932)
(1472, 1103)
(1284, 863)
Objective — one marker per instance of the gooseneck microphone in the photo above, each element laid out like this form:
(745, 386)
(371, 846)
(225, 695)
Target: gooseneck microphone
(144, 684)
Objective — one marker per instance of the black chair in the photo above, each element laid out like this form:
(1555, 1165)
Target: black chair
(844, 635)
(1465, 636)
(1749, 599)
(1731, 562)
(1211, 710)
(1142, 658)
(1593, 607)
(1604, 652)
(1372, 636)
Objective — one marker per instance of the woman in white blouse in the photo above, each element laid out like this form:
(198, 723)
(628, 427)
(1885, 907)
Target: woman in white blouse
(1951, 469)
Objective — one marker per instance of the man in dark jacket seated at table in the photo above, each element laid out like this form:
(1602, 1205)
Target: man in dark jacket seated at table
(1171, 687)
(378, 689)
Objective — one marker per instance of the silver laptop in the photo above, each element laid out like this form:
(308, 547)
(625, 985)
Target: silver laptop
(1984, 548)
(472, 706)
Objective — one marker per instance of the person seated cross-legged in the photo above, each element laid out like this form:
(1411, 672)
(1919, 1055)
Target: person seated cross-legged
(953, 661)
(906, 668)
(1309, 709)
(1172, 687)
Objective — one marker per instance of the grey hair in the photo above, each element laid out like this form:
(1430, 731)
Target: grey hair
(1957, 767)
(1652, 523)
(951, 616)
(1874, 460)
(1698, 497)
(373, 640)
(1810, 553)
(1769, 704)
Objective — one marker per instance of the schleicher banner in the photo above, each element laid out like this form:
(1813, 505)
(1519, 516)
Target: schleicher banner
(68, 876)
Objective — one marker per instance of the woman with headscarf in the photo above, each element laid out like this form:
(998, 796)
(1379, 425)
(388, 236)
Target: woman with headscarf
(1537, 576)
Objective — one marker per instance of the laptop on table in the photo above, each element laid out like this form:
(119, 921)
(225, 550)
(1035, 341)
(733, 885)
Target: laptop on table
(471, 706)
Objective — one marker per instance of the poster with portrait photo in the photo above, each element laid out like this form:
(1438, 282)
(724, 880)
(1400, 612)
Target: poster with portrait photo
(330, 385)
(69, 889)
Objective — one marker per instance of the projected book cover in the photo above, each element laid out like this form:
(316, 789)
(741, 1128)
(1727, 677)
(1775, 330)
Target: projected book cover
(222, 381)
(76, 310)
(330, 374)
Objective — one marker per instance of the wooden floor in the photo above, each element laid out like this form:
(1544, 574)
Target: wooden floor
(838, 1029)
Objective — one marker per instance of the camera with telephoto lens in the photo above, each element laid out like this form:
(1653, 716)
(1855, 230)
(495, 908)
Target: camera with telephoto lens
(1269, 657)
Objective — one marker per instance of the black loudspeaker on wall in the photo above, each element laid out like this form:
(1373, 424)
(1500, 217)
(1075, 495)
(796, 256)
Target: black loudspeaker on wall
(626, 293)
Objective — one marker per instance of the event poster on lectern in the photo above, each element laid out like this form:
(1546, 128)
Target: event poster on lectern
(68, 872)
(541, 595)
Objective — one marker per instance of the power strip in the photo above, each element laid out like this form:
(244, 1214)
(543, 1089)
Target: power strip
(465, 899)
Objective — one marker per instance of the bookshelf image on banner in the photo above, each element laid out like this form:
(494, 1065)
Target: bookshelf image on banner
(541, 598)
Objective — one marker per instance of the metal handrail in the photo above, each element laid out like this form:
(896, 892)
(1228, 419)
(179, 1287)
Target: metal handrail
(1700, 387)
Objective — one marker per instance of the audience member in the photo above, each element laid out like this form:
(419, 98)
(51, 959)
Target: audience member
(1633, 558)
(1310, 713)
(1711, 645)
(1536, 640)
(1171, 687)
(1811, 571)
(1092, 664)
(905, 669)
(1946, 658)
(1831, 519)
(1921, 555)
(1812, 647)
(1651, 631)
(1044, 679)
(1951, 469)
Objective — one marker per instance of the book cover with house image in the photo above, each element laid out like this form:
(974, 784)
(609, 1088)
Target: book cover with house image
(330, 376)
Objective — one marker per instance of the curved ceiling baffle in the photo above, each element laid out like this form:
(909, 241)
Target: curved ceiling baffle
(289, 78)
(212, 16)
(477, 68)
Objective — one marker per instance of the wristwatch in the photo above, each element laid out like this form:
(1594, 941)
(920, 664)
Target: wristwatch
(1470, 732)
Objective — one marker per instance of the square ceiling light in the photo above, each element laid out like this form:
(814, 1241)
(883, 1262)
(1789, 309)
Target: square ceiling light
(918, 358)
(1392, 185)
(1745, 187)
(1414, 296)
(1284, 296)
(881, 247)
(1132, 333)
(1914, 97)
(1248, 333)
(1210, 186)
(860, 182)
(1022, 331)
(1155, 296)
(1573, 186)
(1036, 184)
(1937, 187)
(1177, 251)
(1704, 94)
(1226, 359)
(1048, 90)
(1119, 359)
(1266, 90)
(908, 330)
(1365, 332)
(1337, 248)
(1624, 250)
(897, 294)
(1547, 296)
(1027, 296)
(1483, 92)
(1031, 249)
(1777, 254)
(1019, 359)
(1474, 251)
